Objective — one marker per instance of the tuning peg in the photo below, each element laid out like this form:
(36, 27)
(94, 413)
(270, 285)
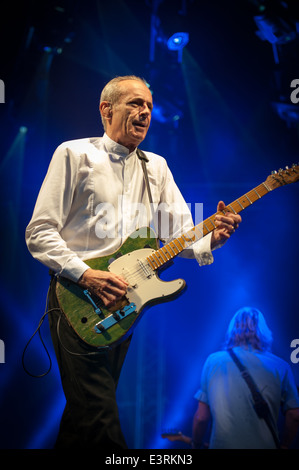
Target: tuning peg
(286, 167)
(274, 172)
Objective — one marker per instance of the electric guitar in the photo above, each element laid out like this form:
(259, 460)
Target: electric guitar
(139, 260)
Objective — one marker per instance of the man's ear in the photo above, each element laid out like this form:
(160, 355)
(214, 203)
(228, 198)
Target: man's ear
(105, 109)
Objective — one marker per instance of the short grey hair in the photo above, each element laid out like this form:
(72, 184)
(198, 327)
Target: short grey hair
(112, 92)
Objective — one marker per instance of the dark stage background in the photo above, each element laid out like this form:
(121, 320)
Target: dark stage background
(223, 119)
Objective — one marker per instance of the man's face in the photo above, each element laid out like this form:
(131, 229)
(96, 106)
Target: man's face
(131, 115)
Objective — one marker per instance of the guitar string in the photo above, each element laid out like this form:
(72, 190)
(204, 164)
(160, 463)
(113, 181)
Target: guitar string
(135, 276)
(136, 273)
(252, 198)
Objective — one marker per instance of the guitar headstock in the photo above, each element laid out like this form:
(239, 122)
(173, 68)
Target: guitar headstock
(281, 177)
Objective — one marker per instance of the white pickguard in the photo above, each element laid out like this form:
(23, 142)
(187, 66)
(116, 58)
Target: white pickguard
(144, 284)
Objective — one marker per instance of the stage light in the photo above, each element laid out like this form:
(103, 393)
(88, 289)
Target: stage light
(177, 41)
(23, 130)
(166, 112)
(53, 50)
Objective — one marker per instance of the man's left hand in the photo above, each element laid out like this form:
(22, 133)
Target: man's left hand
(226, 223)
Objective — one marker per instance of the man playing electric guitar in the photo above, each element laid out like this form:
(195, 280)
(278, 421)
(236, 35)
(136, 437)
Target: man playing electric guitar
(86, 209)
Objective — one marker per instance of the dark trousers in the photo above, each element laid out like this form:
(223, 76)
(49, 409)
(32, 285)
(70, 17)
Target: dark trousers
(89, 380)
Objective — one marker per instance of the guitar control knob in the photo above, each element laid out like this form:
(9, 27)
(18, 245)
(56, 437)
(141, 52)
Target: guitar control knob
(99, 327)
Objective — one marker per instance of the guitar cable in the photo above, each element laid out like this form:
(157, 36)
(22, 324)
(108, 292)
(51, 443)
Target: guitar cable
(38, 330)
(91, 353)
(42, 341)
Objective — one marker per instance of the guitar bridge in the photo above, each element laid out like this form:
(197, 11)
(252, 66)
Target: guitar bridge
(114, 318)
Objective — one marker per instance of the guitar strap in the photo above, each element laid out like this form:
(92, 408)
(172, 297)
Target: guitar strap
(143, 158)
(260, 405)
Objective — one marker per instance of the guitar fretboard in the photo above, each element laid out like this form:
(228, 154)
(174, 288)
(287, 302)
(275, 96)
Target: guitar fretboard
(176, 246)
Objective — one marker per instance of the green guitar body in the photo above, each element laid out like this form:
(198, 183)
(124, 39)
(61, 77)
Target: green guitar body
(101, 327)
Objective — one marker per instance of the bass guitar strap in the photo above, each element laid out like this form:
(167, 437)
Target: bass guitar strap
(259, 403)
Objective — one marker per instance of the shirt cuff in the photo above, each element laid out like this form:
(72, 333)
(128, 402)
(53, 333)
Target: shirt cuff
(74, 269)
(202, 251)
(200, 395)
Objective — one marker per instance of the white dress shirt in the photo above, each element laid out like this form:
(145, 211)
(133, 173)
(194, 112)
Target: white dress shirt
(94, 196)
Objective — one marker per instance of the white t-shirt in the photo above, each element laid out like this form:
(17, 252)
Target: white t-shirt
(235, 422)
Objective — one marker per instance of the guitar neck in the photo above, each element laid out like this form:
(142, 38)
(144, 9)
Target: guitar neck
(172, 249)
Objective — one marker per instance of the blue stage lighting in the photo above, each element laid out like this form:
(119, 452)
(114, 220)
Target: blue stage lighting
(275, 30)
(178, 41)
(53, 50)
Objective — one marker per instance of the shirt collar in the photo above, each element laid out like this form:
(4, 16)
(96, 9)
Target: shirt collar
(116, 149)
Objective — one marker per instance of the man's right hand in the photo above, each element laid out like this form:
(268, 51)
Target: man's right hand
(109, 287)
